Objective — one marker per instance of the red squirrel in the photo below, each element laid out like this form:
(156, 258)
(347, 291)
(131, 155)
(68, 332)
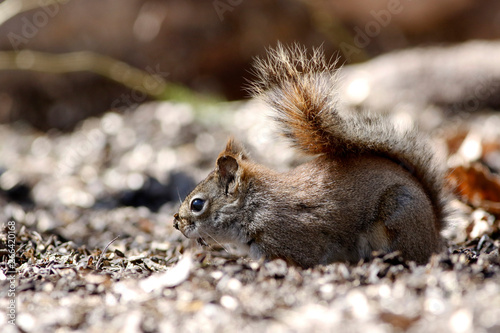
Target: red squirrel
(371, 186)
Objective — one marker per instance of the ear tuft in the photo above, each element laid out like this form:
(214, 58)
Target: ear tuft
(234, 149)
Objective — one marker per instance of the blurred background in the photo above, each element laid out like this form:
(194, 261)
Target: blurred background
(196, 47)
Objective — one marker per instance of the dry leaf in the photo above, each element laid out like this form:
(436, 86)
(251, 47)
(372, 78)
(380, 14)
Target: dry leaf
(477, 186)
(171, 278)
(398, 321)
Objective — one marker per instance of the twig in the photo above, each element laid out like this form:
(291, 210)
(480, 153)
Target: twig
(151, 84)
(97, 266)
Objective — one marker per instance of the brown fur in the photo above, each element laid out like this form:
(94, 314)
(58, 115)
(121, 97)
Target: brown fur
(370, 188)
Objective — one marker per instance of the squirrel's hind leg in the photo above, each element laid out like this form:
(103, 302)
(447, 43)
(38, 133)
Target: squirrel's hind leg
(407, 220)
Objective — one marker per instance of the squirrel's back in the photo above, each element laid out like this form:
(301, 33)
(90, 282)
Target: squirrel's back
(301, 89)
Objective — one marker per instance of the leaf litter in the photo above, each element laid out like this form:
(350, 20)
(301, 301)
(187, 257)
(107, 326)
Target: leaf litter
(92, 255)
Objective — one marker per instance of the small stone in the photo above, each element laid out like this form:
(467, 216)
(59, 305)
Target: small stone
(461, 321)
(229, 302)
(276, 268)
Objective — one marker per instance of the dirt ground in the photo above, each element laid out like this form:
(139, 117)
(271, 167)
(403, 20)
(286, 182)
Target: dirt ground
(88, 215)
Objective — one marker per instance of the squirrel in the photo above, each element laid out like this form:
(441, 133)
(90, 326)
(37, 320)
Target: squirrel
(370, 186)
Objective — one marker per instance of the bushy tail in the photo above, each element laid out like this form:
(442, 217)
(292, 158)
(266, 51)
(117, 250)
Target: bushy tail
(301, 89)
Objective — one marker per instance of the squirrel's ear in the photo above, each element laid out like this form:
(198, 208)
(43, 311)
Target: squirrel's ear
(227, 166)
(234, 148)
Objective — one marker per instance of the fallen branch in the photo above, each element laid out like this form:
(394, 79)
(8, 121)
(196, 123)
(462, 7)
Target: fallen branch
(149, 83)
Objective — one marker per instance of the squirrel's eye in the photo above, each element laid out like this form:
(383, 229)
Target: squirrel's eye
(197, 205)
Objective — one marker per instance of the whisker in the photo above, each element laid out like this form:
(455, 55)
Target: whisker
(179, 194)
(206, 233)
(201, 241)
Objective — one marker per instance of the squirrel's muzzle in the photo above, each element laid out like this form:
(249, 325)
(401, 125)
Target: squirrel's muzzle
(176, 221)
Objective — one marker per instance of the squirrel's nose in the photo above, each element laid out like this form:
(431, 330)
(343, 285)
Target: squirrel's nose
(176, 221)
